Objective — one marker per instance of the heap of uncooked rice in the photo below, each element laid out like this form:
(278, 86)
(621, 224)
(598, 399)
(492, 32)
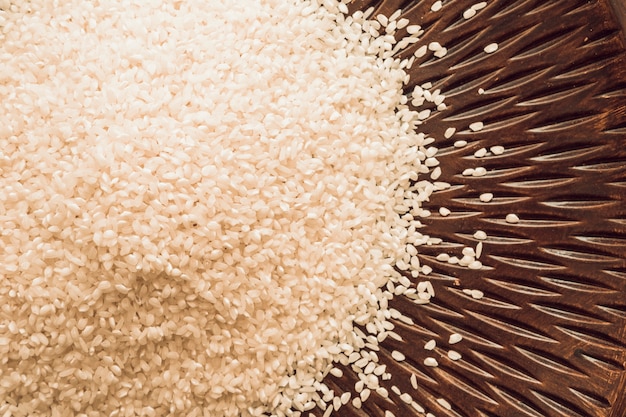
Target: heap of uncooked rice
(198, 201)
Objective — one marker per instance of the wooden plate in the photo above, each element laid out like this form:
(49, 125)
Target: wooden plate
(549, 336)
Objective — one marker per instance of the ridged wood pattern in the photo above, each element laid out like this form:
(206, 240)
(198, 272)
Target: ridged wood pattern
(549, 336)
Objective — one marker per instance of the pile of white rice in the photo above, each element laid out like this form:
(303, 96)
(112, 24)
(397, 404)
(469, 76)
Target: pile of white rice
(198, 201)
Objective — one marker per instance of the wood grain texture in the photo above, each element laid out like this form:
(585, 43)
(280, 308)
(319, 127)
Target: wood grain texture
(549, 336)
(619, 10)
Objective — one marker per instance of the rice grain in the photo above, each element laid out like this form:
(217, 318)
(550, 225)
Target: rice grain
(198, 201)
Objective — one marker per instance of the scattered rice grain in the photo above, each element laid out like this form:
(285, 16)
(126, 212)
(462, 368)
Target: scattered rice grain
(491, 48)
(454, 355)
(397, 355)
(476, 126)
(430, 361)
(512, 218)
(480, 235)
(445, 404)
(469, 13)
(480, 153)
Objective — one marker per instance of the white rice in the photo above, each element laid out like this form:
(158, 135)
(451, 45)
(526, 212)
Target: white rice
(480, 235)
(455, 338)
(512, 218)
(476, 126)
(201, 197)
(454, 355)
(430, 345)
(436, 6)
(444, 403)
(491, 48)
(397, 355)
(486, 197)
(430, 361)
(469, 13)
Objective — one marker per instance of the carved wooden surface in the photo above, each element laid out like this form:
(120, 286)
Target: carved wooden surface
(549, 336)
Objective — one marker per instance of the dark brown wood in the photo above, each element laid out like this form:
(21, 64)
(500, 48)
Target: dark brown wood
(619, 10)
(549, 337)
